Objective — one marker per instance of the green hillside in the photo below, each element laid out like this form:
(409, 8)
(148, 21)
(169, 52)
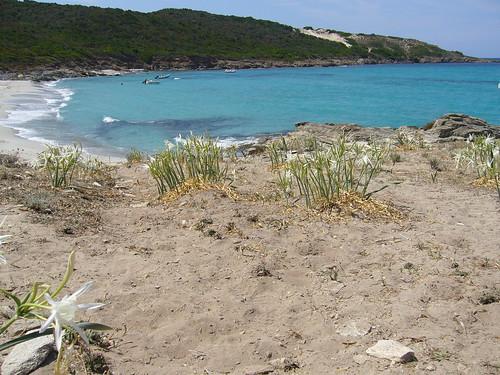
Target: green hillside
(39, 34)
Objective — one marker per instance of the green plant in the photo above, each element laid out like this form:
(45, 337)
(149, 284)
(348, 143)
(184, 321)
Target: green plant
(277, 151)
(195, 159)
(395, 158)
(57, 316)
(408, 140)
(435, 168)
(323, 176)
(135, 156)
(483, 155)
(60, 163)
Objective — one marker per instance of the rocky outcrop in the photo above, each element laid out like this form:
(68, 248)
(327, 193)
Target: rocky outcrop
(449, 128)
(456, 126)
(325, 132)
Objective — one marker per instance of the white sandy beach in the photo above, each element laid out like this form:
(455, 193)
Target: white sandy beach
(10, 142)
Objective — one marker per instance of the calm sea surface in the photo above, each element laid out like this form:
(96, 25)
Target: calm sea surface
(117, 113)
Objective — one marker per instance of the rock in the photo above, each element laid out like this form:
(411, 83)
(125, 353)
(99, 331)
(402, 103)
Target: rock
(456, 126)
(355, 329)
(430, 368)
(392, 350)
(360, 359)
(28, 356)
(285, 364)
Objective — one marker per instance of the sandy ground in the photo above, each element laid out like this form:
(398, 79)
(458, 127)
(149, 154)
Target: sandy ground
(208, 284)
(9, 141)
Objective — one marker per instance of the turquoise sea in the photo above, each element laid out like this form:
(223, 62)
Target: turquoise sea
(117, 113)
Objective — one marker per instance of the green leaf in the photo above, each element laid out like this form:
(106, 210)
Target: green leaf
(11, 296)
(24, 338)
(67, 274)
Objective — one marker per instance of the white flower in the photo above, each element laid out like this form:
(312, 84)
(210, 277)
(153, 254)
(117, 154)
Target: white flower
(63, 314)
(2, 241)
(366, 160)
(169, 145)
(180, 140)
(496, 152)
(290, 156)
(3, 238)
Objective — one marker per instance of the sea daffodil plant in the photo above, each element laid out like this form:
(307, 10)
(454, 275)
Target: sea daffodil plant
(56, 315)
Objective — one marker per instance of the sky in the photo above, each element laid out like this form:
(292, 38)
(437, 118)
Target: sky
(470, 26)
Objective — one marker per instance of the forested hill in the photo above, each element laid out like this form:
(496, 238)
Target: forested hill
(41, 35)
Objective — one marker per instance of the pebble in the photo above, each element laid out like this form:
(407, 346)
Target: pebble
(391, 350)
(355, 329)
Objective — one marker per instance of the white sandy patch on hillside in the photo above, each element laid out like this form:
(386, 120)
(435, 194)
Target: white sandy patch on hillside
(328, 35)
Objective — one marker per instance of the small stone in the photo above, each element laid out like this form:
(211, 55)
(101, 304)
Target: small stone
(360, 359)
(285, 364)
(355, 329)
(430, 368)
(392, 350)
(28, 356)
(258, 370)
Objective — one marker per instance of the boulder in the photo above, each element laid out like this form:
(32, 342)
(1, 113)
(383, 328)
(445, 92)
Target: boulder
(391, 350)
(457, 126)
(28, 356)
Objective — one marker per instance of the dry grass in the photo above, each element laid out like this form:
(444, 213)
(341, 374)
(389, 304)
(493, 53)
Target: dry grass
(353, 204)
(193, 185)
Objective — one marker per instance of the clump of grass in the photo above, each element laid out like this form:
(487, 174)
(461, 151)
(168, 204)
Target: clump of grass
(278, 151)
(9, 160)
(60, 162)
(135, 156)
(407, 140)
(483, 155)
(195, 161)
(40, 202)
(93, 169)
(395, 158)
(284, 149)
(435, 169)
(323, 176)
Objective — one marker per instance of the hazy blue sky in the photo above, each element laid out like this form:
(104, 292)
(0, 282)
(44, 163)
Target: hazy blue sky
(471, 26)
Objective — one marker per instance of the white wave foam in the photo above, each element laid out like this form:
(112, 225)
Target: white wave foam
(230, 141)
(45, 104)
(109, 119)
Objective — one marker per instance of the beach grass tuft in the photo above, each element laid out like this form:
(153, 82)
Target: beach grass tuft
(482, 154)
(60, 162)
(322, 176)
(194, 161)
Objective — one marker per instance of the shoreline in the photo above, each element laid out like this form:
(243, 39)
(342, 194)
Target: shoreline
(11, 142)
(42, 74)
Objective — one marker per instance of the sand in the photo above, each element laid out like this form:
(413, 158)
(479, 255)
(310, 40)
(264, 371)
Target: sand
(10, 142)
(207, 284)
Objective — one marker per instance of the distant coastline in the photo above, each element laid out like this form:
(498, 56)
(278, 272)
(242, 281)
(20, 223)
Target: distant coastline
(104, 68)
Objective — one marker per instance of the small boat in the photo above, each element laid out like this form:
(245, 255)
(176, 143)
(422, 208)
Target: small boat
(162, 76)
(151, 82)
(230, 71)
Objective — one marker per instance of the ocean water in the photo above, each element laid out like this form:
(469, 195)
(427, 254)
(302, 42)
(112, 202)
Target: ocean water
(118, 113)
